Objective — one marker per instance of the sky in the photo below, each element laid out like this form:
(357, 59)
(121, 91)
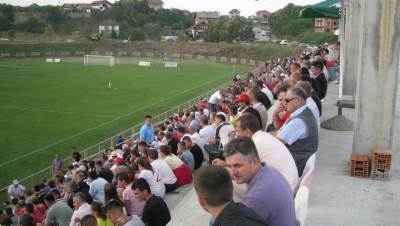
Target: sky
(246, 7)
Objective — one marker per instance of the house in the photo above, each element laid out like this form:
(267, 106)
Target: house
(234, 13)
(205, 17)
(107, 27)
(263, 17)
(101, 5)
(155, 4)
(326, 25)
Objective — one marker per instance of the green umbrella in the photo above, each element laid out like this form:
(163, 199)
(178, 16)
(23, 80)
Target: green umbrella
(325, 9)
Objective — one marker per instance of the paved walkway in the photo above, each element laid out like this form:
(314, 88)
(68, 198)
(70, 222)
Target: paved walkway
(335, 198)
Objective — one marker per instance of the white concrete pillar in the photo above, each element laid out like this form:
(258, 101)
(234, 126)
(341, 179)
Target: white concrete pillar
(378, 73)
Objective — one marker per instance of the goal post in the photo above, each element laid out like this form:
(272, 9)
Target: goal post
(99, 60)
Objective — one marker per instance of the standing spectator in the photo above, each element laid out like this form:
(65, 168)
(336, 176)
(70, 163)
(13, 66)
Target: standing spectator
(57, 164)
(195, 150)
(133, 206)
(164, 171)
(214, 190)
(15, 190)
(147, 131)
(58, 213)
(214, 99)
(319, 82)
(82, 208)
(115, 213)
(96, 189)
(268, 193)
(155, 211)
(152, 178)
(300, 133)
(76, 156)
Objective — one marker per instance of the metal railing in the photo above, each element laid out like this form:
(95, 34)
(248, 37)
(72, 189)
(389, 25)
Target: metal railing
(132, 132)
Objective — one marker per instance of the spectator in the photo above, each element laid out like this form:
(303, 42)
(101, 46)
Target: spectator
(57, 164)
(155, 211)
(58, 213)
(103, 172)
(258, 106)
(214, 100)
(243, 100)
(207, 132)
(300, 133)
(116, 214)
(26, 220)
(214, 190)
(152, 178)
(182, 172)
(306, 78)
(147, 131)
(268, 193)
(9, 214)
(195, 150)
(306, 86)
(90, 220)
(82, 208)
(99, 218)
(280, 114)
(133, 206)
(37, 217)
(110, 193)
(96, 189)
(164, 171)
(319, 82)
(15, 190)
(76, 156)
(172, 142)
(233, 114)
(186, 156)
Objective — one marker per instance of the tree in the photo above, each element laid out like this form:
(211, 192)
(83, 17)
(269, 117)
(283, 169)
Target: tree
(6, 16)
(137, 35)
(49, 32)
(239, 30)
(287, 23)
(216, 32)
(11, 34)
(55, 17)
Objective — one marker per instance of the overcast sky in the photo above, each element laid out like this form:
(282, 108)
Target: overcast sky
(247, 7)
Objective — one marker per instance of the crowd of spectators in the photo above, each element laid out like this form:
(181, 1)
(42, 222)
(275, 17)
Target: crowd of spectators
(256, 136)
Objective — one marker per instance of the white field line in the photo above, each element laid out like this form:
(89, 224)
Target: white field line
(98, 126)
(58, 112)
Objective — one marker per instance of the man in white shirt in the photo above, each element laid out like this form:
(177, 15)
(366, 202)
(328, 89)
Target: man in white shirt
(163, 170)
(207, 132)
(15, 190)
(82, 208)
(214, 99)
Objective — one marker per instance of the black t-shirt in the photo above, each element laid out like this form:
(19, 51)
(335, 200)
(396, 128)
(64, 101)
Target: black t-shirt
(76, 156)
(173, 143)
(156, 212)
(198, 155)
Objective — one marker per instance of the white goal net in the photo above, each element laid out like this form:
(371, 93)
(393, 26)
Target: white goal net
(99, 60)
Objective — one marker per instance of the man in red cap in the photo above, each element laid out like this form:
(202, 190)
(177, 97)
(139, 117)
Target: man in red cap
(243, 100)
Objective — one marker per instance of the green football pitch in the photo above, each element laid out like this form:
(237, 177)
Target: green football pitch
(46, 108)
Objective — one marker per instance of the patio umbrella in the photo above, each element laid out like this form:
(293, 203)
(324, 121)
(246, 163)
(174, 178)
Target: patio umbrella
(325, 9)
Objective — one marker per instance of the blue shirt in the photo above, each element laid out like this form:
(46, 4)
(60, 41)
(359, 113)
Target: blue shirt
(147, 133)
(96, 189)
(269, 195)
(294, 129)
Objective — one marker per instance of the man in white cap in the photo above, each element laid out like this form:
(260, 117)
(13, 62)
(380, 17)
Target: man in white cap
(15, 190)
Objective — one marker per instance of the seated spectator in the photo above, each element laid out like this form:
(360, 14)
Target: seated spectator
(96, 189)
(300, 133)
(58, 213)
(37, 217)
(172, 142)
(207, 132)
(182, 172)
(15, 190)
(82, 208)
(26, 220)
(103, 172)
(155, 211)
(186, 156)
(233, 114)
(310, 101)
(115, 213)
(280, 115)
(99, 216)
(254, 95)
(214, 190)
(268, 192)
(195, 150)
(133, 206)
(152, 178)
(90, 220)
(305, 77)
(164, 171)
(9, 214)
(111, 193)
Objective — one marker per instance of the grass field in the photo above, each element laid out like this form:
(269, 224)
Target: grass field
(47, 108)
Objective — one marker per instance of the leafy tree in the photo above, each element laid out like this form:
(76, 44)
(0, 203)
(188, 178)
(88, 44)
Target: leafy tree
(287, 23)
(49, 32)
(32, 25)
(238, 29)
(6, 16)
(55, 17)
(137, 35)
(216, 32)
